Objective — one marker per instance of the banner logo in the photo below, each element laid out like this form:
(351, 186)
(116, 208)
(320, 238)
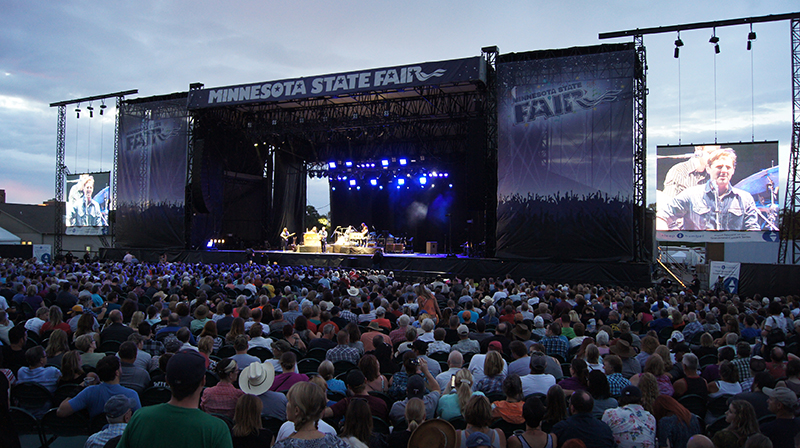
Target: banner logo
(554, 102)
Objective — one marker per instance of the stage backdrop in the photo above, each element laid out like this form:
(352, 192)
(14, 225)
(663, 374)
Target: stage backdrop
(565, 154)
(151, 174)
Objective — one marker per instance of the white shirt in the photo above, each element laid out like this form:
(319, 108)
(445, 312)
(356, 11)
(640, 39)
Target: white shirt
(532, 384)
(34, 324)
(287, 429)
(444, 378)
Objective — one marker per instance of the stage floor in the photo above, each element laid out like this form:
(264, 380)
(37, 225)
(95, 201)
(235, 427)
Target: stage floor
(417, 266)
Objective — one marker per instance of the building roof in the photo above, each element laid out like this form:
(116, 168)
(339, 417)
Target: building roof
(7, 237)
(39, 217)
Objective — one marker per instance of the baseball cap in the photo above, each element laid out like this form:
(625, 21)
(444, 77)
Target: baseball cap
(117, 406)
(538, 362)
(496, 345)
(186, 367)
(355, 378)
(631, 391)
(783, 395)
(462, 329)
(677, 336)
(282, 345)
(415, 387)
(477, 439)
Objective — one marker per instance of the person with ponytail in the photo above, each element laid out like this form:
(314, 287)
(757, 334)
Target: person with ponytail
(306, 401)
(415, 415)
(674, 422)
(452, 404)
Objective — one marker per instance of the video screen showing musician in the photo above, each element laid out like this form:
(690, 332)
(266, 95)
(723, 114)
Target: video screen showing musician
(713, 205)
(689, 173)
(82, 209)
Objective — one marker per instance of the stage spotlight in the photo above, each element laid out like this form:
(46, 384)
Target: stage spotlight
(373, 182)
(433, 174)
(348, 164)
(210, 244)
(451, 185)
(333, 188)
(78, 111)
(385, 162)
(403, 162)
(358, 188)
(352, 182)
(677, 54)
(715, 40)
(751, 36)
(332, 165)
(401, 181)
(102, 107)
(423, 180)
(381, 187)
(91, 111)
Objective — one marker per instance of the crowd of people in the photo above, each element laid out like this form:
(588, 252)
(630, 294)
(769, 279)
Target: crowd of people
(300, 356)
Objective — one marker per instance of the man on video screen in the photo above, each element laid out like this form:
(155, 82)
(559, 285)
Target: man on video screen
(83, 210)
(714, 205)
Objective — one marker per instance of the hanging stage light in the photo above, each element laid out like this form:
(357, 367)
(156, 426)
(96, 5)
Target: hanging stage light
(751, 36)
(678, 45)
(78, 111)
(91, 111)
(715, 40)
(102, 107)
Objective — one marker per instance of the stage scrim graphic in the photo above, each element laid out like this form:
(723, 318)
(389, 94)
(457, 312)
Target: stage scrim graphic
(152, 174)
(565, 156)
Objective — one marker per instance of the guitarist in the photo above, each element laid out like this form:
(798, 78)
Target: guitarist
(285, 235)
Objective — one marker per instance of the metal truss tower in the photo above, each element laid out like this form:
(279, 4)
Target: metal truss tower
(790, 226)
(490, 55)
(639, 149)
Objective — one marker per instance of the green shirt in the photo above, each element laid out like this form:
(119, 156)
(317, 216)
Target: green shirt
(168, 426)
(568, 332)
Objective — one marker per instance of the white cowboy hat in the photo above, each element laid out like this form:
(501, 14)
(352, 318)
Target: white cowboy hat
(257, 378)
(353, 291)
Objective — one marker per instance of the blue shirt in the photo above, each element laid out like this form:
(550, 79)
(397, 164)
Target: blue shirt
(94, 398)
(593, 432)
(43, 376)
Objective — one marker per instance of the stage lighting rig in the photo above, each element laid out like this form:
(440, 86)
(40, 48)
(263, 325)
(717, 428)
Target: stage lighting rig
(78, 111)
(91, 111)
(751, 36)
(714, 40)
(102, 107)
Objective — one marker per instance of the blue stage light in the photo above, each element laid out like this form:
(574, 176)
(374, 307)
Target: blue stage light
(451, 185)
(433, 174)
(373, 182)
(401, 181)
(210, 243)
(333, 188)
(348, 163)
(403, 162)
(423, 180)
(332, 165)
(352, 182)
(381, 187)
(385, 162)
(446, 174)
(358, 188)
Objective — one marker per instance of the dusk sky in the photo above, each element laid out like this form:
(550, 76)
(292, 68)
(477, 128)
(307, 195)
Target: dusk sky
(55, 51)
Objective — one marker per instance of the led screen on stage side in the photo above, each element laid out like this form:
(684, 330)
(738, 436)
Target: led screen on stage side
(88, 203)
(717, 189)
(565, 156)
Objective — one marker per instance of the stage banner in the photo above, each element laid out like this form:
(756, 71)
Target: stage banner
(374, 80)
(151, 174)
(88, 203)
(43, 252)
(729, 273)
(565, 154)
(725, 192)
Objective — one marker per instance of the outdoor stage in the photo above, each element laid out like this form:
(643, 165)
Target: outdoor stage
(420, 266)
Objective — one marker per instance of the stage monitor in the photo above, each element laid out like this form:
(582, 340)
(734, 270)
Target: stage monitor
(718, 192)
(88, 203)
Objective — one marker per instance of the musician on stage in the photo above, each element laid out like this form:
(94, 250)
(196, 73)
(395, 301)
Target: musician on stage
(285, 238)
(323, 237)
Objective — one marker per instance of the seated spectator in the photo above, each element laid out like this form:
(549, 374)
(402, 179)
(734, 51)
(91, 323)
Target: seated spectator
(781, 431)
(742, 420)
(326, 371)
(655, 365)
(538, 381)
(451, 404)
(357, 427)
(612, 366)
(288, 377)
(371, 369)
(533, 412)
(597, 386)
(438, 345)
(415, 388)
(578, 380)
(631, 425)
(343, 351)
(118, 410)
(257, 338)
(674, 422)
(240, 344)
(87, 344)
(414, 416)
(94, 398)
(728, 384)
(72, 373)
(37, 372)
(222, 398)
(465, 344)
(294, 339)
(478, 414)
(582, 425)
(132, 377)
(777, 363)
(691, 383)
(307, 402)
(492, 381)
(356, 383)
(57, 345)
(247, 431)
(510, 409)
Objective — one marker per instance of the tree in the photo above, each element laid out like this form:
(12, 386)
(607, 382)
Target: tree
(313, 218)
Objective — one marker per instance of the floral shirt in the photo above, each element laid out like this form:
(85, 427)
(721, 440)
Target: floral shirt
(631, 426)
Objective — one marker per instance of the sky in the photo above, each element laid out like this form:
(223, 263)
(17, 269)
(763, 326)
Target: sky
(56, 51)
